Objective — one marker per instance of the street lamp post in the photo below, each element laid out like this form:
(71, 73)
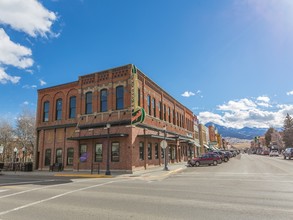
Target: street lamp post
(108, 172)
(2, 151)
(15, 152)
(164, 145)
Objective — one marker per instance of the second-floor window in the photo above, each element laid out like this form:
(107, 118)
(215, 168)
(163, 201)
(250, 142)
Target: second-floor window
(154, 107)
(46, 111)
(88, 103)
(103, 100)
(149, 104)
(119, 97)
(160, 110)
(72, 107)
(59, 109)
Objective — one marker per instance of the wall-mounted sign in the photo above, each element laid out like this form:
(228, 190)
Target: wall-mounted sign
(138, 116)
(134, 88)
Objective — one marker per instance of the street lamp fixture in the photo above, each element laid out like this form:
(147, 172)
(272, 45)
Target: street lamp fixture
(108, 172)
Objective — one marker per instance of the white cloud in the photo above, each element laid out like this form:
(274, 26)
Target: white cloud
(28, 16)
(188, 94)
(290, 93)
(248, 113)
(234, 106)
(42, 82)
(29, 86)
(14, 54)
(26, 103)
(5, 78)
(263, 99)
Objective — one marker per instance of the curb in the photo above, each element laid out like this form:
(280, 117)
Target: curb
(84, 175)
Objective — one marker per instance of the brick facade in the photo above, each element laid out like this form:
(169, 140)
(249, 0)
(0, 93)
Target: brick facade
(64, 139)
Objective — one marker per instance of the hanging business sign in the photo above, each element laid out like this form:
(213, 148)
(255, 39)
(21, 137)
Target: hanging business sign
(138, 116)
(134, 88)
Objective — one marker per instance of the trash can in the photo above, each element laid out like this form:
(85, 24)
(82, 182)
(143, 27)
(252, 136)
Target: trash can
(28, 166)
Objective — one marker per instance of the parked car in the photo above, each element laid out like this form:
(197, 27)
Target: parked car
(224, 156)
(274, 153)
(288, 153)
(206, 159)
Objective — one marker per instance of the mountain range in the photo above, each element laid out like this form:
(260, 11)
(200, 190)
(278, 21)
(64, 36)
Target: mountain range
(243, 133)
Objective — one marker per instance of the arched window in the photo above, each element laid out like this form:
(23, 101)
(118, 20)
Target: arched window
(72, 107)
(58, 109)
(119, 97)
(88, 103)
(103, 100)
(46, 108)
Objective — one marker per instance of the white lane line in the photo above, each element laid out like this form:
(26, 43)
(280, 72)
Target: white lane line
(3, 190)
(58, 196)
(45, 187)
(28, 182)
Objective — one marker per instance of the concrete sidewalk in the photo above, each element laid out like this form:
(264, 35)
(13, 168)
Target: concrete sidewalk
(153, 171)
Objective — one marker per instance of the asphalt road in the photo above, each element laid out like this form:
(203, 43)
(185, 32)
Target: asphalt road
(247, 187)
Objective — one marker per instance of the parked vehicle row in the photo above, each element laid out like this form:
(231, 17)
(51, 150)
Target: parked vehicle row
(212, 158)
(288, 153)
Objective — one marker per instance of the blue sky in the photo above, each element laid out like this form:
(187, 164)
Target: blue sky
(229, 61)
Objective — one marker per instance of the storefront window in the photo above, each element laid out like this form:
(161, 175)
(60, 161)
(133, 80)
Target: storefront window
(59, 156)
(48, 157)
(141, 150)
(115, 152)
(70, 153)
(149, 151)
(156, 151)
(83, 153)
(99, 153)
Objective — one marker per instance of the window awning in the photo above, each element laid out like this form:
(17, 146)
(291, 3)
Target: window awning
(156, 136)
(97, 136)
(197, 143)
(206, 146)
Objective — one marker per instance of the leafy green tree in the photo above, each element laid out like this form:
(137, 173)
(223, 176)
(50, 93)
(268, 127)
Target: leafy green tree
(268, 136)
(288, 131)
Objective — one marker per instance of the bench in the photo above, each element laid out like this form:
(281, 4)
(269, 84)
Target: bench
(56, 167)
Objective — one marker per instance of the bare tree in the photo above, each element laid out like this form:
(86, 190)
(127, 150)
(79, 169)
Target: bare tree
(6, 140)
(288, 131)
(25, 131)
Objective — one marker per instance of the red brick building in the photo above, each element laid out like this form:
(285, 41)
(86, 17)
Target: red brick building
(116, 117)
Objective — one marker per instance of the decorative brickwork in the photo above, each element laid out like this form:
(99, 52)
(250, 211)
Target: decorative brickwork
(84, 132)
